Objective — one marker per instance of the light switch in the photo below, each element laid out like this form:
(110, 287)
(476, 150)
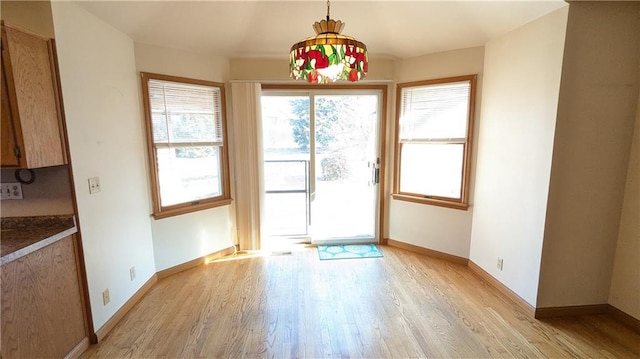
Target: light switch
(12, 190)
(94, 185)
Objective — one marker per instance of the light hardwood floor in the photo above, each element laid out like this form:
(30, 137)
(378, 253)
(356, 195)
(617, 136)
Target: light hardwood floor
(402, 305)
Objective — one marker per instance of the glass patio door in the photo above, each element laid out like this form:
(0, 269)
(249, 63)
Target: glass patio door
(343, 195)
(321, 166)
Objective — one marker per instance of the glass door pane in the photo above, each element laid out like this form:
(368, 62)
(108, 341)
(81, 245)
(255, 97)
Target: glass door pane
(344, 195)
(286, 142)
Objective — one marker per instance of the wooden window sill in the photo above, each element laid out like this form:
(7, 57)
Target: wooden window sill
(430, 201)
(176, 211)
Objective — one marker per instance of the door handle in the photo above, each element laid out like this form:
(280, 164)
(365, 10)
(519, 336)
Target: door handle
(375, 173)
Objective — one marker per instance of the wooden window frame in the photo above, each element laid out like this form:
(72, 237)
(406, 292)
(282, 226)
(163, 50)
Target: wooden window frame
(224, 198)
(461, 203)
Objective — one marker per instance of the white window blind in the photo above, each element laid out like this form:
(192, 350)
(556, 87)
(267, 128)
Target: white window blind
(435, 112)
(185, 113)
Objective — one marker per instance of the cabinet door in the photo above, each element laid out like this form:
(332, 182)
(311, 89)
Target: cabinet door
(31, 84)
(42, 314)
(8, 140)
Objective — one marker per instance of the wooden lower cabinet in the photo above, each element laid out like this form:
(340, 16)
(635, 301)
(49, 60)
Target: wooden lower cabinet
(42, 313)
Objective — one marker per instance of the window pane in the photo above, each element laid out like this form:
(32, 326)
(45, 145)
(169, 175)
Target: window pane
(286, 175)
(185, 126)
(159, 128)
(286, 127)
(285, 214)
(285, 130)
(437, 111)
(192, 127)
(187, 174)
(432, 169)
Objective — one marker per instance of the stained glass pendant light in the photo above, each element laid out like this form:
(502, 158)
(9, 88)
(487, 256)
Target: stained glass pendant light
(328, 56)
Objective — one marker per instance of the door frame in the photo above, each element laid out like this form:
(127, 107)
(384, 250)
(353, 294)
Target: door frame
(384, 115)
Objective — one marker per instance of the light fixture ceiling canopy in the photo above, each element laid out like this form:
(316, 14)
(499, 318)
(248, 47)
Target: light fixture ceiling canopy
(329, 56)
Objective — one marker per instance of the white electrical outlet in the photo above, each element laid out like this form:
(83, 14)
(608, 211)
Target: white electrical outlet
(500, 263)
(105, 297)
(94, 185)
(132, 273)
(11, 190)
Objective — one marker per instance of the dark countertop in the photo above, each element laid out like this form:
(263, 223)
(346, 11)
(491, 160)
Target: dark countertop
(23, 235)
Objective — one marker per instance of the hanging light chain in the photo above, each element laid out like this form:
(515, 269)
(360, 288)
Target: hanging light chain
(328, 6)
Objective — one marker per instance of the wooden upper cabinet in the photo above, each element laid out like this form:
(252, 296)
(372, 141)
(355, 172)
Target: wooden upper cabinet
(8, 141)
(31, 111)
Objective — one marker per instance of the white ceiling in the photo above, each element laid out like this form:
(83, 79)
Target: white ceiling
(390, 29)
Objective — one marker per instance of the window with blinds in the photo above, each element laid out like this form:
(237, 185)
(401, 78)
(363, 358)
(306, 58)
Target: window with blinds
(433, 141)
(186, 142)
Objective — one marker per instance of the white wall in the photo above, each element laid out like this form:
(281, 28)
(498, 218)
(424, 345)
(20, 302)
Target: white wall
(50, 194)
(102, 106)
(443, 64)
(179, 239)
(625, 281)
(163, 60)
(189, 236)
(594, 128)
(442, 229)
(520, 96)
(277, 70)
(32, 15)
